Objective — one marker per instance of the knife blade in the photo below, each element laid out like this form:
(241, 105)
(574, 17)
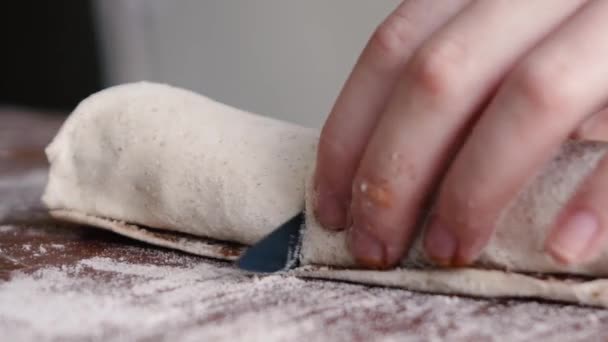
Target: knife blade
(278, 251)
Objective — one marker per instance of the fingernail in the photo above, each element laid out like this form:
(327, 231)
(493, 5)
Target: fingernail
(569, 242)
(366, 248)
(440, 244)
(329, 211)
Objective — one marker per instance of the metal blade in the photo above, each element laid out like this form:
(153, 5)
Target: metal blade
(278, 251)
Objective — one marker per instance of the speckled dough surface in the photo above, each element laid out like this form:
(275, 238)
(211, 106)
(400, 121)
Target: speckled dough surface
(162, 157)
(168, 158)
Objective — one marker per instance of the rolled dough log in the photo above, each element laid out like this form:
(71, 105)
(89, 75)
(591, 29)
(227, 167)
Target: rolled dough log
(143, 157)
(168, 158)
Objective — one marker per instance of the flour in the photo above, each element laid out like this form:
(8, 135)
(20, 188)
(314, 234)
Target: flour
(188, 299)
(6, 229)
(26, 179)
(21, 192)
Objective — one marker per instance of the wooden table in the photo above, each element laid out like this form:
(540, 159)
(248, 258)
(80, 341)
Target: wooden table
(61, 282)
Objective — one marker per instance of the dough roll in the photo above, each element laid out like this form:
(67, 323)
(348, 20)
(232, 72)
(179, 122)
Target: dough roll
(149, 155)
(167, 158)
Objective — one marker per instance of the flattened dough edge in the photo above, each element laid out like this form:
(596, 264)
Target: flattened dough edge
(481, 283)
(182, 242)
(472, 282)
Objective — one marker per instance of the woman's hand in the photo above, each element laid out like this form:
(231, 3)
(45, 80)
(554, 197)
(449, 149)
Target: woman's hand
(466, 100)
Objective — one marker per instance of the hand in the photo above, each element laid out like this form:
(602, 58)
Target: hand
(464, 101)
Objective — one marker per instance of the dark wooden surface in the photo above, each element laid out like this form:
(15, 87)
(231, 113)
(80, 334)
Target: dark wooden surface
(70, 283)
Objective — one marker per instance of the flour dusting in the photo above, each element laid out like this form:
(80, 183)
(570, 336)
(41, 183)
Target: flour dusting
(6, 229)
(25, 179)
(191, 299)
(21, 190)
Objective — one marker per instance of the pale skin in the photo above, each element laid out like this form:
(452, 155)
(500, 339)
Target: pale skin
(460, 103)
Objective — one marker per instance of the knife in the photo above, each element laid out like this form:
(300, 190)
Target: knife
(278, 251)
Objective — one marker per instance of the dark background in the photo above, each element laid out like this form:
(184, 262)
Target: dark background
(49, 57)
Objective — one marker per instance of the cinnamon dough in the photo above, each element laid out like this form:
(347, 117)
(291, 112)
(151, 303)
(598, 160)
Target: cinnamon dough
(143, 157)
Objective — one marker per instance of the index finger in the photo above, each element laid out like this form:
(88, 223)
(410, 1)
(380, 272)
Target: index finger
(355, 113)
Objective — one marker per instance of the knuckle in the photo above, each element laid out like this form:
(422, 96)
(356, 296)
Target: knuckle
(543, 87)
(330, 146)
(392, 38)
(437, 68)
(379, 193)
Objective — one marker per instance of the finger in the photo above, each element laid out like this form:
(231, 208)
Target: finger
(593, 128)
(446, 81)
(539, 105)
(581, 232)
(363, 97)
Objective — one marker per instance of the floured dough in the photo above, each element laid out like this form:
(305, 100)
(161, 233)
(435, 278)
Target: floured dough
(168, 158)
(141, 156)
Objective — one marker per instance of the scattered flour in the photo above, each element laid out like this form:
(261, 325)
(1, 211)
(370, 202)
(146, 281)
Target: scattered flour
(27, 179)
(21, 191)
(195, 300)
(6, 229)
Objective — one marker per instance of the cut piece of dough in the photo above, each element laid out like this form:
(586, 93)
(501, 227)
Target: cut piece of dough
(168, 158)
(149, 155)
